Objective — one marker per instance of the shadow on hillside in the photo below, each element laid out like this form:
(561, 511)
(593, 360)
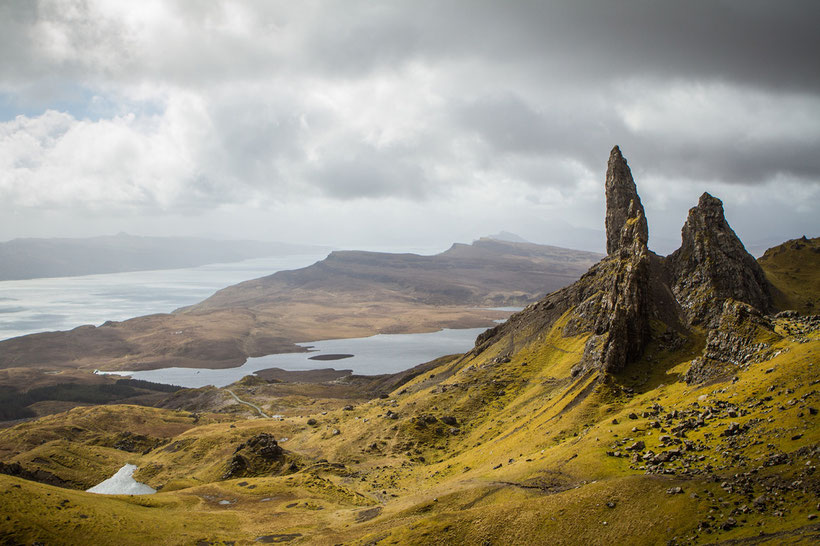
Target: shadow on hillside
(661, 363)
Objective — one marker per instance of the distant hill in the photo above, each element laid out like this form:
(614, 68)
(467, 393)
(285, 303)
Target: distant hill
(507, 236)
(37, 258)
(794, 269)
(348, 294)
(488, 272)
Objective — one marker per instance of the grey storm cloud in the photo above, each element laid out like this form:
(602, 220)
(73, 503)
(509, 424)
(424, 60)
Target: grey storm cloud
(372, 173)
(195, 105)
(753, 42)
(510, 126)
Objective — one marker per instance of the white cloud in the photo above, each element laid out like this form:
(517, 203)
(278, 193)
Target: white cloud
(715, 113)
(167, 108)
(55, 160)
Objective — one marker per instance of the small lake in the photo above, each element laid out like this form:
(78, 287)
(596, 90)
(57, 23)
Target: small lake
(122, 483)
(374, 355)
(40, 305)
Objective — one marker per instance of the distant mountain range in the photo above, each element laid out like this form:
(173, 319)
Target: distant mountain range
(58, 257)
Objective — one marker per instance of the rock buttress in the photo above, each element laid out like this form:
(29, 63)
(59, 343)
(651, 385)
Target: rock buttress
(712, 265)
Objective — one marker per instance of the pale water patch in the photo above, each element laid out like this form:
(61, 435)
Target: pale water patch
(39, 305)
(374, 355)
(122, 483)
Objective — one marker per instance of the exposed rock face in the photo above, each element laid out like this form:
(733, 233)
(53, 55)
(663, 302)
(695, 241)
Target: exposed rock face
(264, 445)
(36, 475)
(617, 311)
(615, 300)
(711, 282)
(625, 218)
(260, 454)
(135, 443)
(620, 307)
(733, 344)
(712, 265)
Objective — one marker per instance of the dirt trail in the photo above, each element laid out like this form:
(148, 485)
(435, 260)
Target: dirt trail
(254, 406)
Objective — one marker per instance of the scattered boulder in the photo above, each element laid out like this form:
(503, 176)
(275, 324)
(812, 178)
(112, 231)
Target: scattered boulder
(236, 467)
(637, 446)
(259, 455)
(729, 524)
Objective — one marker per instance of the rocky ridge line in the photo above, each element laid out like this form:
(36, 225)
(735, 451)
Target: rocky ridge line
(710, 283)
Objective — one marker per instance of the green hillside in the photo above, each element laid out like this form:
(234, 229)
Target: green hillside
(658, 400)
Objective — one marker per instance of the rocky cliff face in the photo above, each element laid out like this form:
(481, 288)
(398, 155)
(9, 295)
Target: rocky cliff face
(712, 266)
(619, 308)
(702, 285)
(625, 219)
(739, 339)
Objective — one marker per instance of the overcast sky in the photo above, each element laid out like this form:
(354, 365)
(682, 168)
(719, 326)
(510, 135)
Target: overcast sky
(405, 123)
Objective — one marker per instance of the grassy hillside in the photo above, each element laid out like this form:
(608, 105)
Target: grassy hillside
(503, 447)
(794, 269)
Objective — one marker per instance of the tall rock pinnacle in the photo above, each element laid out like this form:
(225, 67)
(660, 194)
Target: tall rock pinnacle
(619, 302)
(633, 297)
(712, 265)
(625, 218)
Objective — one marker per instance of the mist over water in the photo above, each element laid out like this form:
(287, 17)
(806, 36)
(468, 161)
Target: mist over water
(41, 305)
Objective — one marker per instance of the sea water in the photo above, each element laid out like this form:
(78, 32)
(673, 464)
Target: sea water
(39, 305)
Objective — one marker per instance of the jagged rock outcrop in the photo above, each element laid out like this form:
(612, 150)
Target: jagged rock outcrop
(36, 475)
(616, 311)
(620, 308)
(259, 455)
(625, 218)
(712, 265)
(710, 282)
(737, 341)
(616, 299)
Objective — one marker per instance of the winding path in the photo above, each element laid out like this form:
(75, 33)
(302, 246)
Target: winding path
(254, 406)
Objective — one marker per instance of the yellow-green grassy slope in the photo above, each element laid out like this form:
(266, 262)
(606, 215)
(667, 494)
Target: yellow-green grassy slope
(528, 462)
(794, 268)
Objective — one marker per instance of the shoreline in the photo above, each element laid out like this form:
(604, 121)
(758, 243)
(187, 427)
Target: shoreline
(370, 356)
(304, 346)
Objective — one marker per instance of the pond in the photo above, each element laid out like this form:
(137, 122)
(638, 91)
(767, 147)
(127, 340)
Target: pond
(122, 483)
